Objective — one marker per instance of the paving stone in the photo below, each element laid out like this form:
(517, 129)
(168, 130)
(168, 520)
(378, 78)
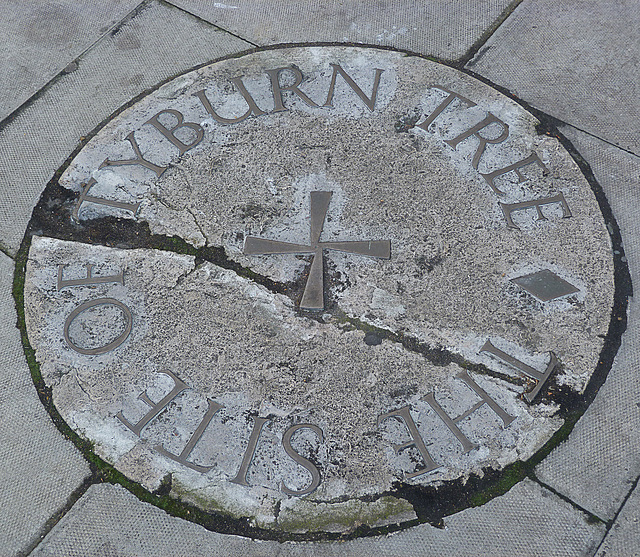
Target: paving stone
(596, 466)
(577, 60)
(40, 469)
(159, 42)
(437, 28)
(110, 522)
(624, 536)
(261, 340)
(41, 38)
(527, 521)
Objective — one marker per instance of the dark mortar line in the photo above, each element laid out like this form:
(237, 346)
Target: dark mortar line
(53, 520)
(561, 122)
(487, 34)
(591, 517)
(610, 524)
(65, 71)
(203, 20)
(5, 250)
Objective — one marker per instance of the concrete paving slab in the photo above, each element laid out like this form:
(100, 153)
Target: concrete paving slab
(598, 464)
(576, 60)
(624, 536)
(159, 42)
(41, 38)
(438, 28)
(110, 521)
(40, 469)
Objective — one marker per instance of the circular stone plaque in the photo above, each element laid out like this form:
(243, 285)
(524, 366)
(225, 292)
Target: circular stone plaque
(318, 288)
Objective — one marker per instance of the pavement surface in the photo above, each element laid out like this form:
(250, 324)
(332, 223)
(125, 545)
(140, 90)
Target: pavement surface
(68, 65)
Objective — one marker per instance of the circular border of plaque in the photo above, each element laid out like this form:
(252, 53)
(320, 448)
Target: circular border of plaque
(320, 291)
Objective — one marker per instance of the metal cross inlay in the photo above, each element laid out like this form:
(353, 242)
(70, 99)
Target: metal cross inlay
(312, 297)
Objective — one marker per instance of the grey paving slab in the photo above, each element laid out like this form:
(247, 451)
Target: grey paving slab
(624, 536)
(577, 60)
(159, 42)
(437, 28)
(40, 468)
(527, 521)
(40, 38)
(596, 466)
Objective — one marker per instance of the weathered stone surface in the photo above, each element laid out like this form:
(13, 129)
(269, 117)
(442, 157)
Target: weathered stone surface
(234, 342)
(160, 41)
(238, 154)
(448, 282)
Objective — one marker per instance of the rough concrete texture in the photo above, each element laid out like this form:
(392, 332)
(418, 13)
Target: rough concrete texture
(622, 538)
(159, 42)
(448, 281)
(528, 521)
(433, 28)
(584, 68)
(600, 461)
(41, 39)
(40, 469)
(245, 348)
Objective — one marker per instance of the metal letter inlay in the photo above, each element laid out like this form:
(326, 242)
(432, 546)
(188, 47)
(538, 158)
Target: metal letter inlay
(107, 347)
(451, 422)
(540, 377)
(370, 102)
(170, 133)
(182, 457)
(241, 476)
(89, 279)
(138, 160)
(277, 88)
(133, 207)
(156, 408)
(313, 293)
(416, 440)
(310, 466)
(531, 159)
(444, 104)
(475, 130)
(508, 208)
(253, 107)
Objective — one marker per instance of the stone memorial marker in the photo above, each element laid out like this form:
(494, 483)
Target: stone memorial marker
(299, 285)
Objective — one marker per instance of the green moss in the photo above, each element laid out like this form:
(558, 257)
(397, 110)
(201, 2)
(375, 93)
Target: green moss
(347, 516)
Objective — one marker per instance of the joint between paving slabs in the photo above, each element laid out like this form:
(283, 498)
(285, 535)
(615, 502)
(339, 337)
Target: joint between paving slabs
(482, 40)
(72, 65)
(4, 249)
(613, 520)
(591, 517)
(75, 495)
(180, 8)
